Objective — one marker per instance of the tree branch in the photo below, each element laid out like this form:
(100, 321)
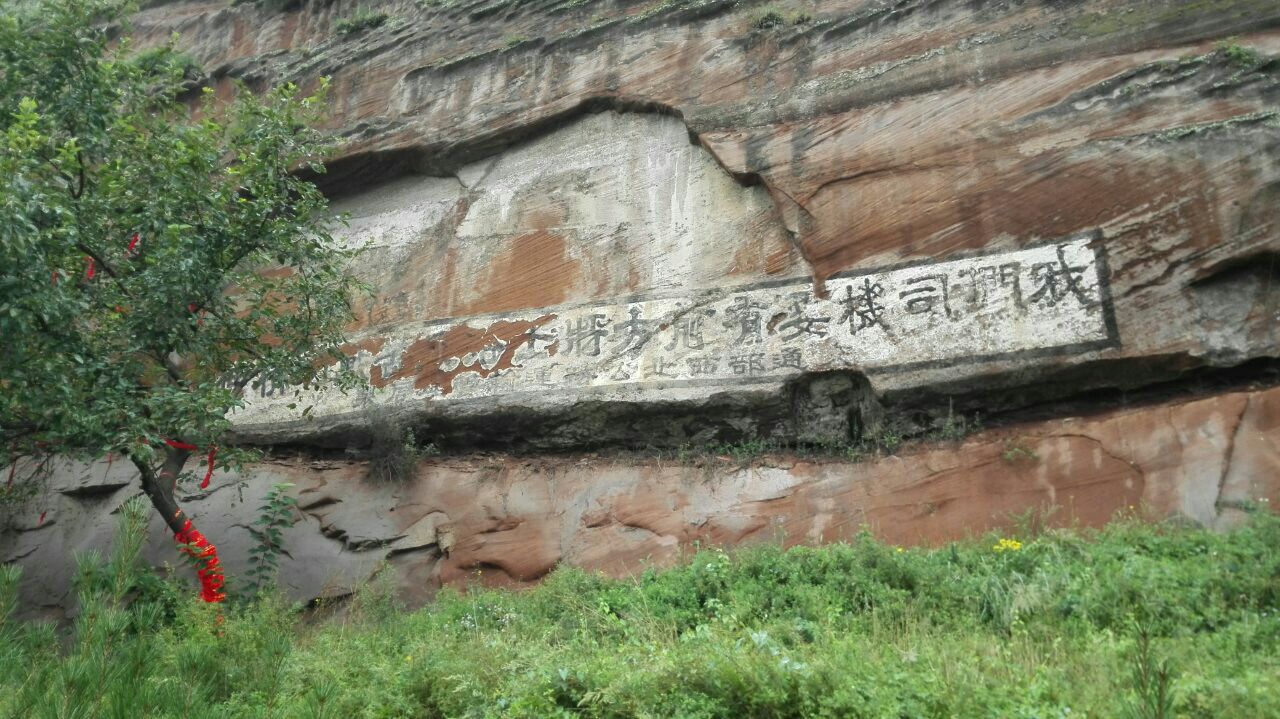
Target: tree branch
(159, 486)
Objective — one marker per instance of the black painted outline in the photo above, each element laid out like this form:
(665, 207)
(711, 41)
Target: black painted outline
(1110, 341)
(1104, 284)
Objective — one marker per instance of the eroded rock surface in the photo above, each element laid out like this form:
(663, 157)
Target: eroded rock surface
(614, 224)
(586, 191)
(509, 520)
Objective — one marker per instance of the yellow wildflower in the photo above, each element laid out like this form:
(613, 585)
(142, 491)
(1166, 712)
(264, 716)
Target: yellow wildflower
(1011, 545)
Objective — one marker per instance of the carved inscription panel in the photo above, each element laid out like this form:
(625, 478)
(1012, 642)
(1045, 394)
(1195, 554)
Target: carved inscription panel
(1046, 299)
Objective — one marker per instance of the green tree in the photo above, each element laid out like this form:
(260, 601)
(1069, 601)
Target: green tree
(159, 253)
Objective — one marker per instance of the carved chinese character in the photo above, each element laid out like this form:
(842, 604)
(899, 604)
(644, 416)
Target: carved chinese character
(983, 280)
(861, 309)
(1056, 280)
(543, 374)
(662, 368)
(634, 332)
(744, 316)
(788, 357)
(584, 336)
(930, 294)
(799, 324)
(687, 331)
(702, 365)
(267, 388)
(535, 336)
(747, 363)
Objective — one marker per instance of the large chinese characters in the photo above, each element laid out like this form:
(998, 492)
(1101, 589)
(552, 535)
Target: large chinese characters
(1046, 298)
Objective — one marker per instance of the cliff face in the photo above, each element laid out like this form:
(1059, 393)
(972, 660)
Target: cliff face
(654, 205)
(654, 224)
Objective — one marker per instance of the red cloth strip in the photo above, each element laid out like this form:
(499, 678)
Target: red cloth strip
(208, 568)
(213, 452)
(181, 445)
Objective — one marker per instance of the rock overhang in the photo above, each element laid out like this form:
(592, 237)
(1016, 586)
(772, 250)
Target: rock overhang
(870, 136)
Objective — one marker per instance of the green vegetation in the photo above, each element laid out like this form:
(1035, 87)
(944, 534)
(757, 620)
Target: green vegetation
(273, 5)
(277, 513)
(1241, 56)
(770, 17)
(394, 451)
(160, 61)
(1133, 621)
(363, 19)
(153, 264)
(1019, 450)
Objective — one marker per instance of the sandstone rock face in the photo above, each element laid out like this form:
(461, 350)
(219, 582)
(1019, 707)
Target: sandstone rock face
(640, 208)
(509, 521)
(655, 224)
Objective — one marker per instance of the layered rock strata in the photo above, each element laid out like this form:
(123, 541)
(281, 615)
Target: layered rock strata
(606, 225)
(509, 520)
(660, 207)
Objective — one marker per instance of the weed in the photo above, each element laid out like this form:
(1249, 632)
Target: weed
(273, 5)
(276, 514)
(767, 18)
(1240, 55)
(852, 629)
(770, 17)
(362, 20)
(1019, 451)
(885, 438)
(956, 427)
(512, 40)
(164, 61)
(1152, 680)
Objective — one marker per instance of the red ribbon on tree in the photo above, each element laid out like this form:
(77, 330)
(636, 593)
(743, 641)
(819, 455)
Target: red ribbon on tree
(88, 271)
(205, 555)
(133, 242)
(213, 454)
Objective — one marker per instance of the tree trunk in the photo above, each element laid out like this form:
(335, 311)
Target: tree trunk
(159, 487)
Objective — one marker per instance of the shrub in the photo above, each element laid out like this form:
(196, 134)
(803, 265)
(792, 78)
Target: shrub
(362, 20)
(1071, 623)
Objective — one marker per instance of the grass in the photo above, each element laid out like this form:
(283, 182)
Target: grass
(771, 17)
(1241, 55)
(362, 20)
(1136, 620)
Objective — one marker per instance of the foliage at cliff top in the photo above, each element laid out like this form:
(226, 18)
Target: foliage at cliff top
(1135, 621)
(157, 253)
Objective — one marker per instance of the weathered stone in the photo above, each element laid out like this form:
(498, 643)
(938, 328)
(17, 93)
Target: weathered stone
(868, 135)
(510, 520)
(581, 216)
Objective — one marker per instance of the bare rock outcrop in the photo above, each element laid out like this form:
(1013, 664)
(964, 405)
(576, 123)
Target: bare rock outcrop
(583, 213)
(613, 225)
(508, 520)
